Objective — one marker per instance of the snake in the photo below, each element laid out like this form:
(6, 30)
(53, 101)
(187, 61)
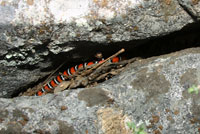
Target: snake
(49, 87)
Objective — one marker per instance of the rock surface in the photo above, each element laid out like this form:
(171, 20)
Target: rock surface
(34, 31)
(152, 91)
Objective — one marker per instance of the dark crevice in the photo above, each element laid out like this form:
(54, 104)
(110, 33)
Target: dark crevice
(85, 51)
(188, 37)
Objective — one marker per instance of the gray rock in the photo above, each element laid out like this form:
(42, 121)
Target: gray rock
(151, 91)
(191, 7)
(34, 31)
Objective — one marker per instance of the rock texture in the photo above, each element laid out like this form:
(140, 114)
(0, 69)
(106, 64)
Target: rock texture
(34, 31)
(152, 91)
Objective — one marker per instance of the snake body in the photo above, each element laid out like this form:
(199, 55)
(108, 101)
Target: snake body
(70, 71)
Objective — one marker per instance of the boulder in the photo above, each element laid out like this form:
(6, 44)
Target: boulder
(34, 32)
(151, 91)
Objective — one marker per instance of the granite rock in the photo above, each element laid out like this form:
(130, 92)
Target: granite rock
(152, 91)
(32, 32)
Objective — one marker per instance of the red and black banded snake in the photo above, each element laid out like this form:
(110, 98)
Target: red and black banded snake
(70, 71)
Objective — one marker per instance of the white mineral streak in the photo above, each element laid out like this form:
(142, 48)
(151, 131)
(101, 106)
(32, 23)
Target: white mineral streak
(106, 13)
(37, 12)
(66, 10)
(34, 14)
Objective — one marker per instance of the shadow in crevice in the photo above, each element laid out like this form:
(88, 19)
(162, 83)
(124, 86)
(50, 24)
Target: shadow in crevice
(188, 37)
(85, 51)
